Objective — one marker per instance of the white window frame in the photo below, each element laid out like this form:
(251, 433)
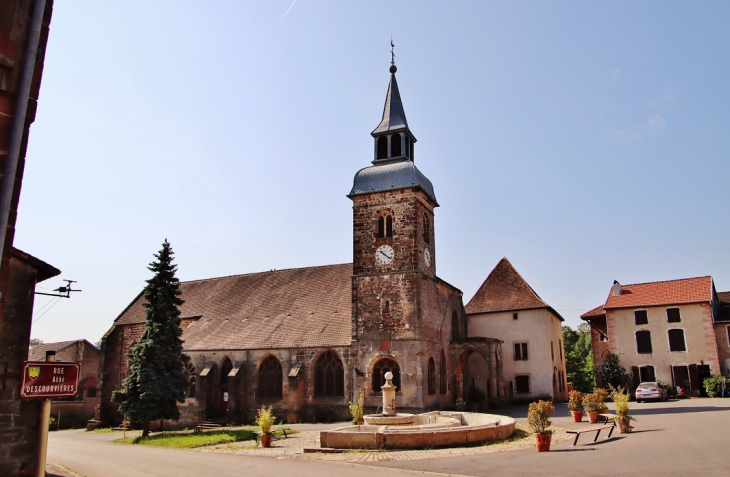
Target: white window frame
(527, 347)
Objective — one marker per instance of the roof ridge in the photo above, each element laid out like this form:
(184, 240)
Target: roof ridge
(665, 281)
(262, 272)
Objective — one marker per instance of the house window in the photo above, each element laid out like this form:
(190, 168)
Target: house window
(640, 317)
(442, 373)
(522, 384)
(379, 370)
(431, 376)
(455, 334)
(643, 341)
(514, 316)
(520, 351)
(270, 378)
(673, 315)
(728, 335)
(91, 392)
(676, 340)
(192, 380)
(329, 375)
(646, 373)
(552, 351)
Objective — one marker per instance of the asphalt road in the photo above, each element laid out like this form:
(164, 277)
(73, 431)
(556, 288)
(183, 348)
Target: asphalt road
(688, 437)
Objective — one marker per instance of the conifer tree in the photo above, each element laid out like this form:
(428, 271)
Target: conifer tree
(157, 380)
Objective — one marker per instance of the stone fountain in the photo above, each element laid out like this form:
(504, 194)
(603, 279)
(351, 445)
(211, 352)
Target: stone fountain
(391, 430)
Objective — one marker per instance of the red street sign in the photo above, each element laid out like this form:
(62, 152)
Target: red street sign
(42, 379)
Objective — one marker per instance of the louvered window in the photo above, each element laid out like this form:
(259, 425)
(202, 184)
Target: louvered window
(382, 147)
(395, 146)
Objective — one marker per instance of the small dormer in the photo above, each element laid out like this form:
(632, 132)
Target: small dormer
(393, 138)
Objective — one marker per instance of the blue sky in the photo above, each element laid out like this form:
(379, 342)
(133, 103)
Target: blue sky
(584, 141)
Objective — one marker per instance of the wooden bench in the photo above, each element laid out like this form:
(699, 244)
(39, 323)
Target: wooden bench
(596, 429)
(606, 418)
(282, 429)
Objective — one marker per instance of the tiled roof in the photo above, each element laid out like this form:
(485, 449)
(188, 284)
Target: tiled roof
(399, 174)
(65, 351)
(505, 290)
(301, 307)
(594, 313)
(670, 292)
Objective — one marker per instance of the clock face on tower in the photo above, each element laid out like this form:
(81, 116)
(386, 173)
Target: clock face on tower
(427, 257)
(384, 254)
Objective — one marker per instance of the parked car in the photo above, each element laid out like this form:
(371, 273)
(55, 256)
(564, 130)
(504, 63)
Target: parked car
(650, 390)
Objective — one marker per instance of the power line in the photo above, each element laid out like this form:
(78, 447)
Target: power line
(49, 309)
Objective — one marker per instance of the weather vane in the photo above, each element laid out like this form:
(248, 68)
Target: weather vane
(392, 54)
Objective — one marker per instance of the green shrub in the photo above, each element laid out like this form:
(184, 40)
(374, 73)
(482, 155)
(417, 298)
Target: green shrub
(575, 401)
(357, 408)
(265, 419)
(713, 385)
(538, 416)
(476, 395)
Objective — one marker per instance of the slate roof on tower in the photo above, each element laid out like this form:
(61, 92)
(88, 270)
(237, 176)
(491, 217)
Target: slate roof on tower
(506, 290)
(394, 117)
(294, 308)
(391, 176)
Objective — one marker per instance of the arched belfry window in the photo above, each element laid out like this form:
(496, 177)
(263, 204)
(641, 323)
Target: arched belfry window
(270, 378)
(329, 375)
(431, 376)
(192, 378)
(382, 147)
(395, 145)
(379, 370)
(442, 373)
(385, 226)
(455, 332)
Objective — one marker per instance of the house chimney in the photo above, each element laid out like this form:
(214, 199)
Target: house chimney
(616, 288)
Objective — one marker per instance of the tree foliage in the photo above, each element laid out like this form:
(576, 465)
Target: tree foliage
(579, 357)
(157, 380)
(611, 373)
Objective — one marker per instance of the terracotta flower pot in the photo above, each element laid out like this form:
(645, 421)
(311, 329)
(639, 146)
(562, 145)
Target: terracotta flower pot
(624, 425)
(360, 422)
(543, 442)
(266, 440)
(577, 415)
(593, 416)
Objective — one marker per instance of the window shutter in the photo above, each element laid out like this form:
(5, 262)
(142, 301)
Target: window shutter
(637, 377)
(694, 378)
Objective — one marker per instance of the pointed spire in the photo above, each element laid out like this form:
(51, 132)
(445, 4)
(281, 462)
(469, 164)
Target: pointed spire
(394, 118)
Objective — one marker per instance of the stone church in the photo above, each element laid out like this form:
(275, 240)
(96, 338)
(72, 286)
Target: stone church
(306, 341)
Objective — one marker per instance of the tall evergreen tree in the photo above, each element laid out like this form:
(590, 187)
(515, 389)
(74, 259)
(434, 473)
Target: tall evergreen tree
(157, 380)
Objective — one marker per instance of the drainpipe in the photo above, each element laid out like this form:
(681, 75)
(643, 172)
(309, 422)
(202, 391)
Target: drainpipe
(21, 108)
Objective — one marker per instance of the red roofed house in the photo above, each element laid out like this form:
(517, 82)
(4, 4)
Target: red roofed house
(674, 331)
(77, 410)
(306, 341)
(533, 361)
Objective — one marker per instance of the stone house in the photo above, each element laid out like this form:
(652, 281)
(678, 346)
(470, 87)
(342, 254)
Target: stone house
(306, 341)
(506, 306)
(673, 331)
(81, 407)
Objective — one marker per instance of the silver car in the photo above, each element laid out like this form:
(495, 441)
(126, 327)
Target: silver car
(650, 390)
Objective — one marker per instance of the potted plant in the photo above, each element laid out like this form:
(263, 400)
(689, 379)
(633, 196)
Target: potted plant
(575, 404)
(265, 420)
(460, 404)
(623, 418)
(593, 405)
(357, 409)
(538, 418)
(602, 395)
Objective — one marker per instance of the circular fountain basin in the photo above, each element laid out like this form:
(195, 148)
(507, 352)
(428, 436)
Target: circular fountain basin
(389, 420)
(431, 429)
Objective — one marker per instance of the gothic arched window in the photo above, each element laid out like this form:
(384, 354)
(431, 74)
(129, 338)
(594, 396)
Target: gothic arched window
(426, 230)
(192, 379)
(431, 376)
(329, 375)
(226, 367)
(442, 373)
(395, 145)
(379, 370)
(270, 378)
(455, 333)
(385, 226)
(382, 147)
(389, 226)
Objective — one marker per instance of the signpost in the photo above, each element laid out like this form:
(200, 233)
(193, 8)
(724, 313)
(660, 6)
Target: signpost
(46, 380)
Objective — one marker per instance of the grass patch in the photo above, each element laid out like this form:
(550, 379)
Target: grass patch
(103, 430)
(188, 441)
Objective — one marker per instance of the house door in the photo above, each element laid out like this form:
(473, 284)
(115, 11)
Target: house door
(680, 374)
(703, 372)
